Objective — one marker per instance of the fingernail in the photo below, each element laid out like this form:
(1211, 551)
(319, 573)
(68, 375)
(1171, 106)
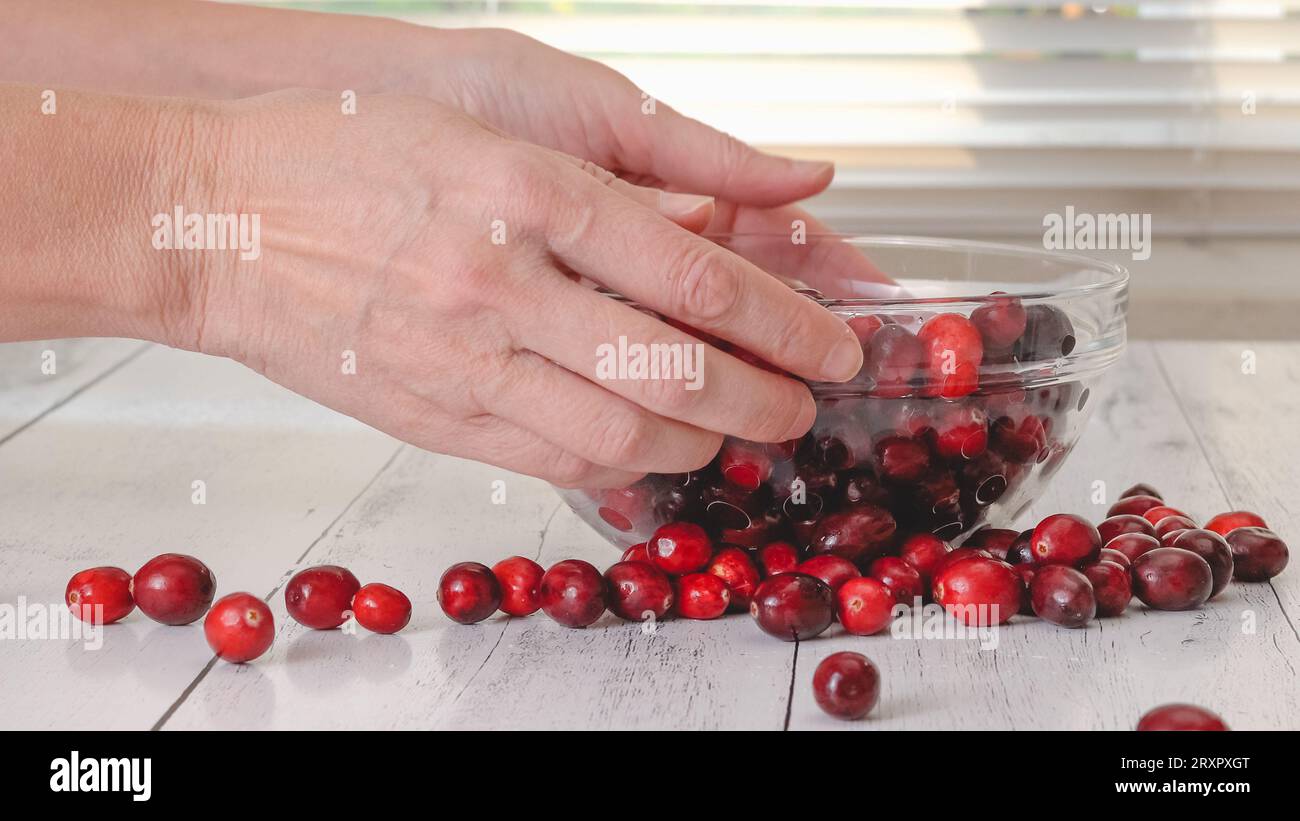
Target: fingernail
(845, 359)
(812, 168)
(681, 205)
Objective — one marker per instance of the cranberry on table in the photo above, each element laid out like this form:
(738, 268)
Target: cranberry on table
(1124, 523)
(846, 685)
(961, 554)
(1170, 578)
(1134, 505)
(239, 627)
(173, 588)
(736, 569)
(1214, 549)
(321, 597)
(924, 551)
(902, 579)
(1185, 717)
(1169, 524)
(865, 606)
(1155, 514)
(679, 548)
(573, 593)
(793, 606)
(106, 588)
(1111, 586)
(778, 557)
(1225, 523)
(469, 592)
(980, 592)
(997, 541)
(1111, 555)
(702, 596)
(381, 609)
(1141, 489)
(1062, 595)
(1026, 572)
(851, 533)
(1063, 538)
(834, 570)
(520, 579)
(1133, 545)
(1021, 550)
(1258, 554)
(636, 553)
(639, 590)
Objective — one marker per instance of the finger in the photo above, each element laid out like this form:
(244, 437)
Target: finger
(691, 211)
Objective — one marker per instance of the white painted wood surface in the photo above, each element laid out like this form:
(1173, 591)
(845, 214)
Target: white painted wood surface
(97, 468)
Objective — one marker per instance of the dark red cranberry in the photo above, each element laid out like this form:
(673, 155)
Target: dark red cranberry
(702, 596)
(986, 477)
(1171, 523)
(997, 541)
(854, 532)
(1134, 505)
(891, 361)
(846, 685)
(520, 578)
(953, 351)
(865, 606)
(100, 595)
(864, 488)
(573, 593)
(320, 597)
(1049, 334)
(961, 554)
(173, 588)
(902, 579)
(1214, 549)
(678, 548)
(961, 432)
(925, 552)
(469, 592)
(1257, 553)
(1063, 538)
(1225, 523)
(1155, 514)
(1124, 523)
(834, 570)
(1181, 717)
(1141, 489)
(736, 569)
(1170, 578)
(778, 557)
(1026, 572)
(1000, 321)
(239, 627)
(636, 553)
(1021, 550)
(381, 609)
(759, 531)
(1111, 586)
(1133, 545)
(980, 592)
(744, 464)
(834, 453)
(1168, 538)
(902, 459)
(936, 496)
(793, 606)
(1062, 595)
(1020, 440)
(638, 590)
(1110, 555)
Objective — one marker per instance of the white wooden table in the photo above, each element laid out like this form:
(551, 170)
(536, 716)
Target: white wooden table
(98, 465)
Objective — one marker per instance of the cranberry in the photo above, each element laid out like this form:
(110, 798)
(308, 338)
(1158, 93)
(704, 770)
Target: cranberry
(853, 532)
(638, 590)
(1155, 514)
(1111, 586)
(1062, 595)
(1181, 717)
(636, 553)
(846, 685)
(520, 578)
(679, 548)
(1048, 334)
(239, 627)
(865, 606)
(381, 609)
(924, 551)
(961, 554)
(107, 588)
(865, 327)
(985, 478)
(864, 488)
(1225, 523)
(573, 593)
(996, 541)
(1021, 550)
(961, 432)
(745, 465)
(793, 606)
(1214, 549)
(469, 592)
(1026, 572)
(702, 596)
(1134, 505)
(1065, 539)
(979, 591)
(1000, 321)
(173, 588)
(1124, 523)
(892, 360)
(1020, 441)
(1169, 524)
(321, 597)
(734, 566)
(1133, 545)
(902, 459)
(834, 570)
(953, 351)
(1170, 578)
(625, 508)
(1258, 554)
(1110, 555)
(1141, 489)
(902, 579)
(778, 557)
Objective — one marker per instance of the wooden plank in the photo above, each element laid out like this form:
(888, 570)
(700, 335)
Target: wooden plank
(27, 391)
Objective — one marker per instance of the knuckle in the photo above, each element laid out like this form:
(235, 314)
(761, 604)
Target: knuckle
(569, 471)
(705, 285)
(623, 439)
(668, 396)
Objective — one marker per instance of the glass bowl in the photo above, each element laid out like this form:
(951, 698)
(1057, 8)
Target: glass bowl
(981, 367)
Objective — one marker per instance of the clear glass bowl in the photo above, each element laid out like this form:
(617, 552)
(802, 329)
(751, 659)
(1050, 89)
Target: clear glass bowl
(933, 434)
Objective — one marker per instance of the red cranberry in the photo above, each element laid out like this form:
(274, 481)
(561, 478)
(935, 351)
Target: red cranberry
(734, 566)
(1134, 505)
(851, 533)
(1021, 550)
(520, 578)
(1020, 441)
(636, 553)
(902, 459)
(638, 590)
(1124, 523)
(573, 593)
(834, 570)
(1214, 549)
(321, 597)
(778, 557)
(1062, 595)
(961, 554)
(1225, 523)
(902, 579)
(892, 360)
(1049, 334)
(1257, 553)
(1169, 524)
(1155, 514)
(1170, 578)
(979, 592)
(961, 432)
(1171, 536)
(1133, 545)
(924, 551)
(625, 508)
(1000, 321)
(997, 541)
(1026, 572)
(108, 588)
(865, 327)
(1141, 489)
(953, 351)
(793, 606)
(679, 548)
(745, 465)
(469, 592)
(1111, 586)
(381, 609)
(173, 588)
(1109, 555)
(865, 606)
(702, 596)
(1065, 539)
(846, 685)
(1181, 717)
(239, 627)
